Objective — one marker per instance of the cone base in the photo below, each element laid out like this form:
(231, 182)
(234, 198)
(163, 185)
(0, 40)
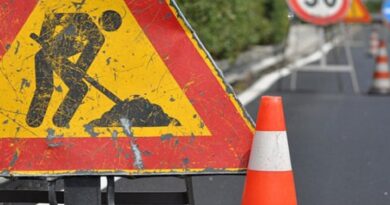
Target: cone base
(378, 91)
(266, 187)
(372, 54)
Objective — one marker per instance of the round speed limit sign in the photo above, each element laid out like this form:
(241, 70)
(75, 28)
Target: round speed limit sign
(320, 12)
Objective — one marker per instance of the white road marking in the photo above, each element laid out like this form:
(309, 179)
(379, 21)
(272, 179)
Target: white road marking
(267, 80)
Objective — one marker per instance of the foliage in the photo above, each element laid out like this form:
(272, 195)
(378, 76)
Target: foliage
(374, 6)
(227, 27)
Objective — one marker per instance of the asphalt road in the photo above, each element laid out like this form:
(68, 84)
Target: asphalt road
(338, 142)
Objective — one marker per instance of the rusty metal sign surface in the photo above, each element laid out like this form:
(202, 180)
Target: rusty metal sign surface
(320, 12)
(112, 87)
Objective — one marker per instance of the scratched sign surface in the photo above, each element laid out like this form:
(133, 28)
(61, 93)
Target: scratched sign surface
(112, 87)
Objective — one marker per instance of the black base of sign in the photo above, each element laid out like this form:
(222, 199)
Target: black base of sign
(86, 190)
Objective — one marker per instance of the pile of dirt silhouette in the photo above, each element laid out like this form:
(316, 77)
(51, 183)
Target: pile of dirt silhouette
(139, 111)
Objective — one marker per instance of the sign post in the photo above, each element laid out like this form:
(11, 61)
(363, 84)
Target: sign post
(357, 14)
(82, 190)
(322, 13)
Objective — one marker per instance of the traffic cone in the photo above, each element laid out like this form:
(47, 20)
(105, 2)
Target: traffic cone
(381, 83)
(374, 43)
(269, 179)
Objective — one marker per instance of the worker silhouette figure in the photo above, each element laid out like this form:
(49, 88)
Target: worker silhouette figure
(62, 36)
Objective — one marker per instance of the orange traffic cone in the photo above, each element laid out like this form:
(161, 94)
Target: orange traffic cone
(269, 179)
(381, 83)
(374, 43)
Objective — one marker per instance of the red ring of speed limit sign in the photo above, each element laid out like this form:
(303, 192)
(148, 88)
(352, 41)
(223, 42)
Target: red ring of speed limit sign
(325, 14)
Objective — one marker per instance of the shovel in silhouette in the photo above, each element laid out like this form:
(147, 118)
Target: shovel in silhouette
(86, 77)
(143, 113)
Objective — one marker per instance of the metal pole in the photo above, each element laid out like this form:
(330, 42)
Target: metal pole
(110, 190)
(52, 191)
(285, 45)
(347, 47)
(82, 190)
(294, 69)
(336, 54)
(323, 53)
(190, 190)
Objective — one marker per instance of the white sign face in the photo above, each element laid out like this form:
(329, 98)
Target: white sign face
(320, 12)
(321, 8)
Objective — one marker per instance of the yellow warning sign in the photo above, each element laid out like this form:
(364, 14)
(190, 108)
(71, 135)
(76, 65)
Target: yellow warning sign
(80, 73)
(357, 13)
(108, 87)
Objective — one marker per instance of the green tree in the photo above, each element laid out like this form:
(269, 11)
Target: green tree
(278, 18)
(228, 27)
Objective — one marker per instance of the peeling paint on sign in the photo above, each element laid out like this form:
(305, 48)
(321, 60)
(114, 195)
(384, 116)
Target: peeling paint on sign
(127, 124)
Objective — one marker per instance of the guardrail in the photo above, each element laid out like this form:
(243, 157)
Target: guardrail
(302, 40)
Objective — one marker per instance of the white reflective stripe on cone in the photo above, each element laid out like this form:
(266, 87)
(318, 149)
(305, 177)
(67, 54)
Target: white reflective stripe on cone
(382, 83)
(382, 52)
(270, 152)
(382, 67)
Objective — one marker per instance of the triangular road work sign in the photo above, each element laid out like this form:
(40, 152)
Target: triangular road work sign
(119, 86)
(357, 13)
